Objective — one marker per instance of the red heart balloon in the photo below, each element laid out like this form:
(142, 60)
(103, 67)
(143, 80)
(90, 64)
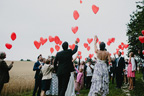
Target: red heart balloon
(37, 44)
(85, 59)
(78, 40)
(120, 47)
(91, 55)
(57, 47)
(122, 43)
(99, 42)
(90, 40)
(51, 39)
(75, 29)
(126, 46)
(143, 52)
(80, 1)
(51, 50)
(85, 45)
(57, 40)
(8, 46)
(13, 36)
(88, 48)
(141, 39)
(110, 40)
(122, 53)
(75, 14)
(113, 40)
(79, 52)
(143, 32)
(108, 43)
(72, 46)
(60, 42)
(43, 41)
(95, 9)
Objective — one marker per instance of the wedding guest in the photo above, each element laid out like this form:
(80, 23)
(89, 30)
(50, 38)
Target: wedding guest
(38, 77)
(4, 70)
(131, 70)
(89, 73)
(114, 69)
(46, 77)
(54, 82)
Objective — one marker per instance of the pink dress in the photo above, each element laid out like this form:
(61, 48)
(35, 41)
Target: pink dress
(130, 73)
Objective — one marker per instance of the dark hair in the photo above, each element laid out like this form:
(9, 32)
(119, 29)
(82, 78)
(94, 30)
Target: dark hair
(65, 45)
(47, 61)
(132, 54)
(39, 56)
(102, 46)
(2, 55)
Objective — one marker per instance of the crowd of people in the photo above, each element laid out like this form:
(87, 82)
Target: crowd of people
(61, 75)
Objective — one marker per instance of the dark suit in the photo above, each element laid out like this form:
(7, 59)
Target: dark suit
(113, 70)
(4, 73)
(37, 79)
(119, 71)
(65, 66)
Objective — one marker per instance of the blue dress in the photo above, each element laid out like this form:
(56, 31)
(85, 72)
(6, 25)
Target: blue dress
(100, 79)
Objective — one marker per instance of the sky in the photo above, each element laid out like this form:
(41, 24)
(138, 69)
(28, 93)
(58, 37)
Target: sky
(32, 19)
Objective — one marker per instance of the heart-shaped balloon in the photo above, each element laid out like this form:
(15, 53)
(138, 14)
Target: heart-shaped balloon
(79, 52)
(120, 47)
(141, 39)
(57, 40)
(99, 42)
(113, 40)
(51, 39)
(57, 47)
(60, 42)
(91, 55)
(122, 53)
(51, 50)
(95, 9)
(80, 1)
(88, 48)
(122, 43)
(75, 14)
(85, 59)
(37, 44)
(143, 52)
(8, 46)
(110, 40)
(108, 43)
(143, 32)
(13, 36)
(43, 41)
(72, 46)
(90, 40)
(126, 46)
(85, 45)
(78, 40)
(75, 29)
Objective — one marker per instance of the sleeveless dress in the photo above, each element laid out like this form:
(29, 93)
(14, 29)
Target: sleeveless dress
(130, 73)
(100, 79)
(71, 88)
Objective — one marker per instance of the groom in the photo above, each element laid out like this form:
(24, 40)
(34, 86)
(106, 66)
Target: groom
(63, 66)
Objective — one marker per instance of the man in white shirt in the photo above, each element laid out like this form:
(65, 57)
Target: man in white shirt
(89, 73)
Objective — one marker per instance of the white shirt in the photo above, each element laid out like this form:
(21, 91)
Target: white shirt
(133, 64)
(118, 61)
(89, 70)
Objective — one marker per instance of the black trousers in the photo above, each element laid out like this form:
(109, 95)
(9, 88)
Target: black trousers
(133, 81)
(113, 78)
(37, 86)
(119, 79)
(88, 81)
(63, 83)
(1, 87)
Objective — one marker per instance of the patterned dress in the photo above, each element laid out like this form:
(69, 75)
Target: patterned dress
(54, 86)
(100, 80)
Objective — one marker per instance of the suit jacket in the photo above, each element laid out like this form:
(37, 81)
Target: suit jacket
(36, 68)
(4, 72)
(64, 61)
(121, 65)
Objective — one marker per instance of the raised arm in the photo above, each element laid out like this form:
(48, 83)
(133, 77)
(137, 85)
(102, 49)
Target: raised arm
(76, 70)
(76, 48)
(95, 44)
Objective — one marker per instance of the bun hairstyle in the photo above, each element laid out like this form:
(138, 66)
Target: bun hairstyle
(102, 46)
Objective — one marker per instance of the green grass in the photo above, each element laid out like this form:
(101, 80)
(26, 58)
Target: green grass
(138, 91)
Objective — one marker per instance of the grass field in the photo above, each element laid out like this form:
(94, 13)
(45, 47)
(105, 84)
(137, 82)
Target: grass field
(22, 82)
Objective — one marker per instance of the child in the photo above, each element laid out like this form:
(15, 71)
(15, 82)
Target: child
(47, 75)
(79, 80)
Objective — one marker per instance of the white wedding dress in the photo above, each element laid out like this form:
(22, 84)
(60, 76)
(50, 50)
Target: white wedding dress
(71, 86)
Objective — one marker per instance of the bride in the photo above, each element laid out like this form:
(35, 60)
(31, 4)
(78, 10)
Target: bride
(100, 79)
(71, 88)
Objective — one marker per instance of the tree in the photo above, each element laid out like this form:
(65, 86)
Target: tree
(134, 28)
